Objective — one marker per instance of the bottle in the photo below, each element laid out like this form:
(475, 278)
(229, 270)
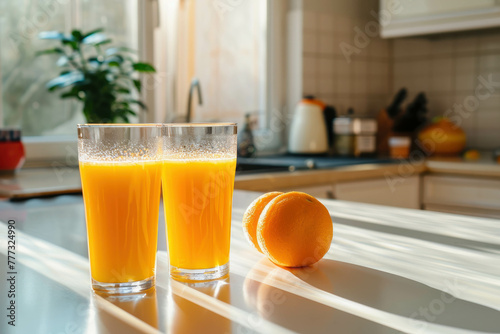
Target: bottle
(246, 147)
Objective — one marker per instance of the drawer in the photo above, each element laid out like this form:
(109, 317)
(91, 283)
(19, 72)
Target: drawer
(378, 191)
(462, 192)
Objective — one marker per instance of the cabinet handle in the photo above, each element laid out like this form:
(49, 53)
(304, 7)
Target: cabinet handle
(330, 195)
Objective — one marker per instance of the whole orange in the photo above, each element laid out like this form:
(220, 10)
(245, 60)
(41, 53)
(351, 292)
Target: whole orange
(252, 214)
(295, 230)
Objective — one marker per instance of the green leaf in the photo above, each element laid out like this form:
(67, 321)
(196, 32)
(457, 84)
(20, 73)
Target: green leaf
(96, 39)
(65, 80)
(49, 51)
(70, 94)
(123, 90)
(113, 51)
(74, 45)
(137, 84)
(114, 63)
(139, 103)
(115, 58)
(62, 61)
(77, 35)
(92, 32)
(143, 67)
(106, 41)
(51, 35)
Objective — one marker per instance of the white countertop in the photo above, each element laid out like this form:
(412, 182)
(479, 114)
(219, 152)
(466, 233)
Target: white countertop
(64, 180)
(388, 270)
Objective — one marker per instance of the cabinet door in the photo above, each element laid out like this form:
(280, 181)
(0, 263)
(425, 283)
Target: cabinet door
(466, 192)
(412, 18)
(377, 191)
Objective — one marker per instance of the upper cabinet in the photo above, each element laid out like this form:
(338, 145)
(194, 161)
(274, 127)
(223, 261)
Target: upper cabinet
(400, 18)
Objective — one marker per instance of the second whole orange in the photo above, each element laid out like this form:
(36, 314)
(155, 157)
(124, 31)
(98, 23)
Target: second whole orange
(294, 230)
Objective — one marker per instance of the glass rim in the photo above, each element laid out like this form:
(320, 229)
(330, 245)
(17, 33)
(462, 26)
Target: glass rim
(199, 125)
(118, 125)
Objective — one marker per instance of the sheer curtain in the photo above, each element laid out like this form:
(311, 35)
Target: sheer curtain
(223, 44)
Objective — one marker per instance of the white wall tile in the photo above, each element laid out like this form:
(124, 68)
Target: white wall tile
(438, 104)
(466, 44)
(441, 83)
(420, 68)
(360, 68)
(464, 83)
(310, 43)
(309, 66)
(328, 99)
(378, 69)
(379, 48)
(490, 103)
(489, 62)
(419, 84)
(326, 46)
(442, 66)
(466, 65)
(441, 46)
(359, 86)
(411, 47)
(309, 85)
(343, 24)
(343, 84)
(401, 67)
(372, 86)
(310, 21)
(489, 41)
(342, 68)
(326, 66)
(326, 85)
(487, 128)
(492, 75)
(326, 23)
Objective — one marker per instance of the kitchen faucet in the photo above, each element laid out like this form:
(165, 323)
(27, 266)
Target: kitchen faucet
(195, 83)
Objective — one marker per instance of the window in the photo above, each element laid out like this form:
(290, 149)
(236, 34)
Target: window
(235, 48)
(24, 102)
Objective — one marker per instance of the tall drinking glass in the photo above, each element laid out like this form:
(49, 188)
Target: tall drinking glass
(199, 163)
(120, 167)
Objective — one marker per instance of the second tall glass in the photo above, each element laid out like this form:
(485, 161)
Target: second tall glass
(199, 163)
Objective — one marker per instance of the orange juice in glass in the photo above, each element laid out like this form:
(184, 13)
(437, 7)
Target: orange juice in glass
(120, 169)
(199, 163)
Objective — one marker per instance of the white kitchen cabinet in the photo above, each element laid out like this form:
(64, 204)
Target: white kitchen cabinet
(405, 194)
(410, 18)
(473, 196)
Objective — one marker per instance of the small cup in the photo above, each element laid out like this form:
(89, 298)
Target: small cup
(120, 168)
(199, 164)
(11, 151)
(399, 147)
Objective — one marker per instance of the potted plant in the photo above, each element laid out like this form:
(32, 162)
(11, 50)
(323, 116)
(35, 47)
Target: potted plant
(104, 80)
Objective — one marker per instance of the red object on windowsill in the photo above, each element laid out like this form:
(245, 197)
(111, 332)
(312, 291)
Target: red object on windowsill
(11, 150)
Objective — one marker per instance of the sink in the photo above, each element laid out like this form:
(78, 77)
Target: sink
(282, 163)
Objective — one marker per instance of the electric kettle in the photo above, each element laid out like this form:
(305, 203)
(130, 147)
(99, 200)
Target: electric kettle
(308, 132)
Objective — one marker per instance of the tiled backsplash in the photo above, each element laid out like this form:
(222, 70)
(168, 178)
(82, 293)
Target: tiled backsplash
(448, 68)
(445, 67)
(361, 80)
